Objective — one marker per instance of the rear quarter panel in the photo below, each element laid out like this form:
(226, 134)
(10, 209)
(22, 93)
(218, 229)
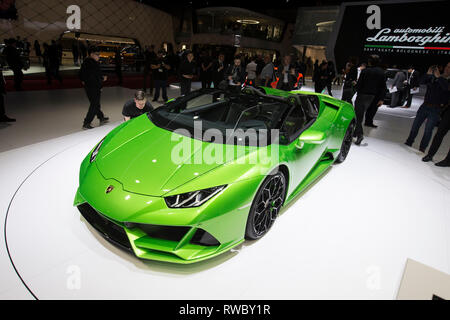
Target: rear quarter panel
(340, 119)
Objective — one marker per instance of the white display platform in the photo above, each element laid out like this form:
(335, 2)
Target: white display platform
(347, 237)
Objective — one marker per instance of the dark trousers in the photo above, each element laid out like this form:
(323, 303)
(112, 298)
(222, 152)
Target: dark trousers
(2, 106)
(53, 72)
(371, 112)
(443, 128)
(18, 77)
(118, 70)
(206, 83)
(396, 98)
(408, 97)
(148, 75)
(160, 85)
(75, 59)
(347, 94)
(425, 112)
(206, 80)
(318, 87)
(329, 88)
(217, 82)
(185, 85)
(362, 103)
(93, 95)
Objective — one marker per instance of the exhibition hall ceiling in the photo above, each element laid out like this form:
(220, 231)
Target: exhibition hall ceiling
(46, 20)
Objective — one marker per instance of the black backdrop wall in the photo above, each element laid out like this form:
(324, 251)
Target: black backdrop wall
(414, 33)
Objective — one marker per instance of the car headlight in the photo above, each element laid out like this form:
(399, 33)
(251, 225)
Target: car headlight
(97, 148)
(192, 199)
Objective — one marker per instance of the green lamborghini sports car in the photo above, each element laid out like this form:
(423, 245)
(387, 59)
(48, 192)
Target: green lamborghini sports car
(202, 173)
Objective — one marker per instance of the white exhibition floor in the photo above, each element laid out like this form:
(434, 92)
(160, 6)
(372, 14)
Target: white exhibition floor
(347, 237)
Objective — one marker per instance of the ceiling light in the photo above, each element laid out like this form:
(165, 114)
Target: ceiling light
(247, 21)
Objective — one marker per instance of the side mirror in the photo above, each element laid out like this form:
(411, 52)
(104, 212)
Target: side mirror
(310, 137)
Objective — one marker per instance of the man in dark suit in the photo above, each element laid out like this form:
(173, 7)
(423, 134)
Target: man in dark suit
(187, 71)
(399, 85)
(92, 78)
(411, 83)
(3, 117)
(14, 61)
(218, 70)
(149, 57)
(371, 86)
(350, 78)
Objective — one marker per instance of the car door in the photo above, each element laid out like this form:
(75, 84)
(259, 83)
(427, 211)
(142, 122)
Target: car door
(302, 154)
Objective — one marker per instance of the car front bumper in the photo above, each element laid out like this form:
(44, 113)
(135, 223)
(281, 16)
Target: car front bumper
(145, 225)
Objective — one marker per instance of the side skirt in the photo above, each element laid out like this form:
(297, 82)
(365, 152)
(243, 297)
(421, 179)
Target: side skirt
(319, 168)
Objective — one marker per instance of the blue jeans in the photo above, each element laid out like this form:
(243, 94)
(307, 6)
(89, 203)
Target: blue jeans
(432, 115)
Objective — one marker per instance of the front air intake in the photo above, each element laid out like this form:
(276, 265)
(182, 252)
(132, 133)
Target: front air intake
(203, 238)
(172, 233)
(108, 229)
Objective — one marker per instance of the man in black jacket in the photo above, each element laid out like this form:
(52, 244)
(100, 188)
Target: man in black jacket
(160, 67)
(412, 83)
(3, 117)
(320, 77)
(54, 62)
(205, 70)
(92, 79)
(351, 76)
(14, 61)
(436, 98)
(187, 72)
(331, 74)
(371, 86)
(149, 56)
(218, 70)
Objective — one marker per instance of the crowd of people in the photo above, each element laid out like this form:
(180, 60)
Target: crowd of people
(366, 81)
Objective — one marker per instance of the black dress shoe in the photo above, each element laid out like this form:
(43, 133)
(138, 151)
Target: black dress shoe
(370, 125)
(408, 144)
(422, 150)
(359, 140)
(104, 120)
(87, 126)
(427, 158)
(7, 119)
(443, 163)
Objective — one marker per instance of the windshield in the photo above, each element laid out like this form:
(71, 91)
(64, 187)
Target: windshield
(249, 115)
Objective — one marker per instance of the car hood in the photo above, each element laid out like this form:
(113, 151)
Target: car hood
(148, 160)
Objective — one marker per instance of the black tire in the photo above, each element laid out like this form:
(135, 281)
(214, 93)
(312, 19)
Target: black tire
(266, 205)
(346, 143)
